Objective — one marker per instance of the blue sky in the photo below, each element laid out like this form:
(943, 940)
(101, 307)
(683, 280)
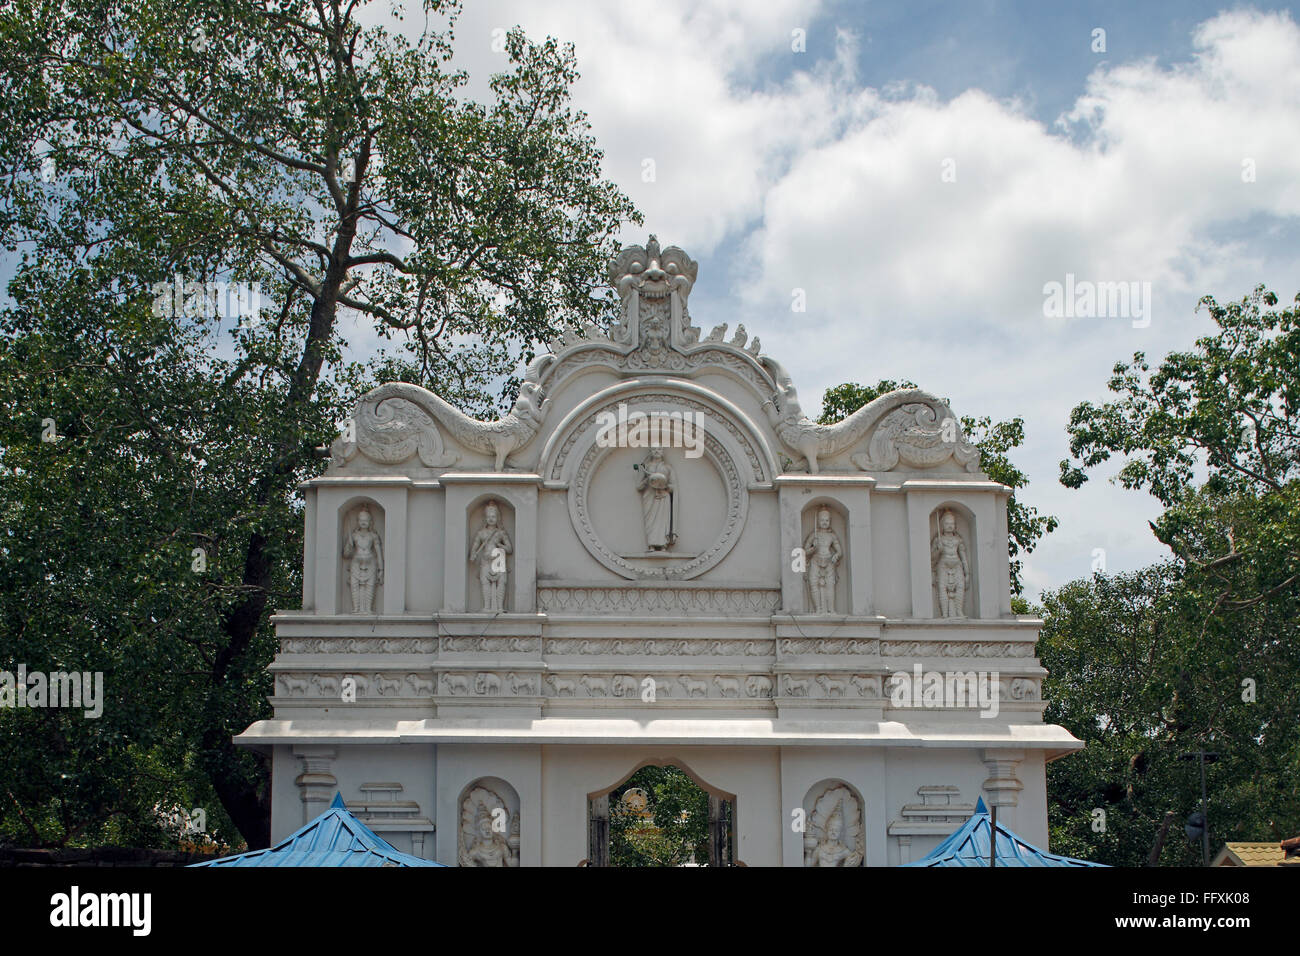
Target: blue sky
(919, 172)
(821, 170)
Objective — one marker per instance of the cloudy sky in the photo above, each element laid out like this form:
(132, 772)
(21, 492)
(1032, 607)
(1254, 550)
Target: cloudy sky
(921, 170)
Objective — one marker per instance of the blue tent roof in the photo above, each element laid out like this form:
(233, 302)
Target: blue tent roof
(969, 846)
(335, 838)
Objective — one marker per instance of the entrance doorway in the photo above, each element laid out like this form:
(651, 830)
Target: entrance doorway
(661, 815)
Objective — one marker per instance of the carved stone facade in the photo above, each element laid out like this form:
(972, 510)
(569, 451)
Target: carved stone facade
(655, 557)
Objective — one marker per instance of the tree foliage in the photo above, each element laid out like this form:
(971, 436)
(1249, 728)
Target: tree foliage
(1025, 526)
(676, 830)
(151, 152)
(1138, 674)
(1202, 652)
(1214, 435)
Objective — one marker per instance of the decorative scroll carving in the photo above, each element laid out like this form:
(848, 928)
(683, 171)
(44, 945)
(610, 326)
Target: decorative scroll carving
(904, 436)
(920, 435)
(356, 645)
(655, 601)
(492, 645)
(489, 832)
(834, 835)
(676, 647)
(411, 426)
(809, 645)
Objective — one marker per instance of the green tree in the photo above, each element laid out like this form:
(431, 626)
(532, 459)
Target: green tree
(342, 174)
(1214, 435)
(1137, 673)
(1025, 526)
(676, 829)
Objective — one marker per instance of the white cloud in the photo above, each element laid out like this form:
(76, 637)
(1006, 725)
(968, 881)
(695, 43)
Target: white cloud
(782, 172)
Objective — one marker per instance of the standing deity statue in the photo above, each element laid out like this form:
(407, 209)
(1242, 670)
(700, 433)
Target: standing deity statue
(950, 566)
(490, 547)
(366, 553)
(659, 501)
(822, 552)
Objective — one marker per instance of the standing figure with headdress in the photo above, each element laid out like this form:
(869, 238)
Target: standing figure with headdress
(834, 836)
(485, 821)
(822, 552)
(950, 566)
(366, 553)
(491, 545)
(659, 499)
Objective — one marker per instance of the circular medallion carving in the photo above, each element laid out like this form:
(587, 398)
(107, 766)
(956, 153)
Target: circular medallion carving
(606, 504)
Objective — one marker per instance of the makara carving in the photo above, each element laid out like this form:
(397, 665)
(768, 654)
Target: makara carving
(489, 549)
(834, 834)
(951, 567)
(396, 421)
(914, 427)
(489, 832)
(822, 552)
(366, 570)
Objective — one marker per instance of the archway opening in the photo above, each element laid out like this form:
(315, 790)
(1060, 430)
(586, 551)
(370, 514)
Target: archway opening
(661, 816)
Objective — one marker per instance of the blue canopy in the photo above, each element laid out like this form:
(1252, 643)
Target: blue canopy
(969, 846)
(335, 838)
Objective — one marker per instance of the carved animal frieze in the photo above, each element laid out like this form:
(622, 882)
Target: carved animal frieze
(420, 686)
(562, 686)
(727, 686)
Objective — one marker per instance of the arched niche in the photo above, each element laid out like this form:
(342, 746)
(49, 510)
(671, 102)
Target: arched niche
(721, 823)
(964, 522)
(834, 825)
(348, 524)
(839, 520)
(475, 523)
(488, 824)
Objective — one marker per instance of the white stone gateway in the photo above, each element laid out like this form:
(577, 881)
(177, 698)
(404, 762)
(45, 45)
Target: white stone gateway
(657, 558)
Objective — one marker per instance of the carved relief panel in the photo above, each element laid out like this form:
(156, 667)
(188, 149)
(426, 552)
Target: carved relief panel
(833, 834)
(489, 824)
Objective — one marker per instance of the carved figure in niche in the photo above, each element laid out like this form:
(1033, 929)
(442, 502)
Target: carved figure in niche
(659, 500)
(489, 833)
(490, 547)
(834, 836)
(822, 551)
(366, 553)
(950, 566)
